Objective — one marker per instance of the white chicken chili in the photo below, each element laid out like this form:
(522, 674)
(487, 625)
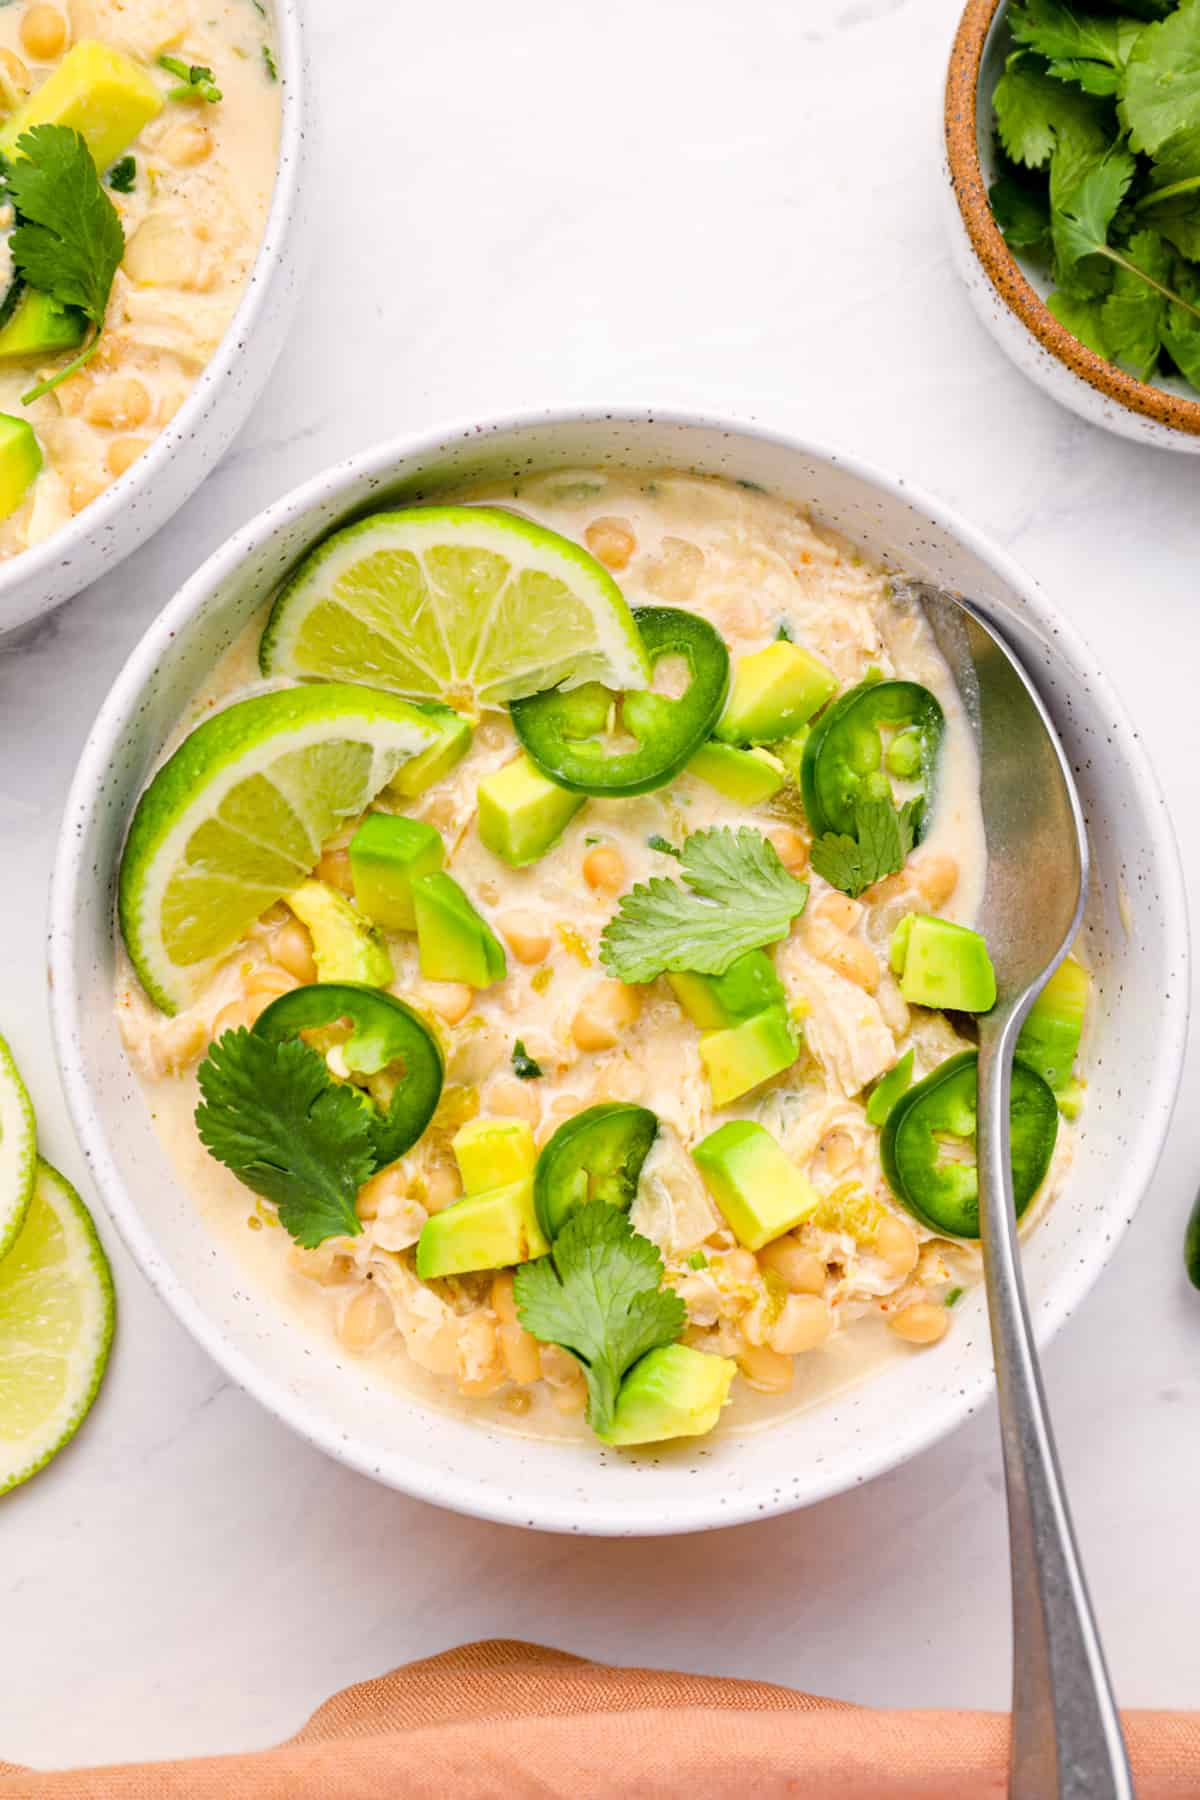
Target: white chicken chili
(139, 141)
(654, 976)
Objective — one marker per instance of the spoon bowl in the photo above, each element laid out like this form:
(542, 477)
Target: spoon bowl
(1066, 1732)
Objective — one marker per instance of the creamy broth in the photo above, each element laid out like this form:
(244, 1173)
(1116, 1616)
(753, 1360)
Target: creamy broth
(192, 223)
(750, 563)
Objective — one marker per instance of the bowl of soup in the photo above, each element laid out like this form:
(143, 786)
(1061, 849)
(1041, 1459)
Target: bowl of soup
(652, 987)
(179, 132)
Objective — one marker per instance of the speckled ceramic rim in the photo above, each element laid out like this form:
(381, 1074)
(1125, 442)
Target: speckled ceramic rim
(101, 516)
(1001, 267)
(74, 875)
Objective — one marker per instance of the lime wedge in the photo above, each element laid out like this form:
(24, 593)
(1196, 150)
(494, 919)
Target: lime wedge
(56, 1324)
(18, 1149)
(458, 603)
(239, 815)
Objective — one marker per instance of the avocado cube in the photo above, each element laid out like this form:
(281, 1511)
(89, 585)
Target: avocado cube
(672, 1392)
(760, 1191)
(774, 691)
(747, 776)
(453, 942)
(522, 813)
(387, 855)
(494, 1153)
(1050, 1036)
(713, 1002)
(744, 1056)
(346, 947)
(97, 91)
(941, 964)
(39, 326)
(453, 742)
(20, 462)
(492, 1230)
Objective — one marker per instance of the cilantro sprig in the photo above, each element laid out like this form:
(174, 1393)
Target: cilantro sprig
(738, 897)
(1098, 121)
(883, 836)
(68, 241)
(599, 1296)
(273, 1114)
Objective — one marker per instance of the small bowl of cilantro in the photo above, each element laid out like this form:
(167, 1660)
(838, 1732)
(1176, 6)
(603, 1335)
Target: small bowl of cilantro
(1073, 145)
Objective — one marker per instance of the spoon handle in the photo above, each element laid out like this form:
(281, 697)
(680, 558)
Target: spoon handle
(1066, 1732)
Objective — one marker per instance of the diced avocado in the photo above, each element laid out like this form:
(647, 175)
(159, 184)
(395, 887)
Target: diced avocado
(747, 776)
(1049, 1040)
(494, 1153)
(20, 461)
(942, 964)
(888, 1090)
(672, 1392)
(774, 691)
(97, 91)
(760, 1191)
(39, 326)
(386, 856)
(454, 740)
(346, 947)
(790, 751)
(492, 1230)
(454, 943)
(521, 813)
(714, 1002)
(746, 1055)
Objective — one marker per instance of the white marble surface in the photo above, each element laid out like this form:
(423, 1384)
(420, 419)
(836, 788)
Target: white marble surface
(699, 204)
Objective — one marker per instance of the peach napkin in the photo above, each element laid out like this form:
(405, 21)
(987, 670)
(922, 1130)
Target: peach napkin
(510, 1719)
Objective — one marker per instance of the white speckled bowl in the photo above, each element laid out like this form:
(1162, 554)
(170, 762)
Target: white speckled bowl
(1008, 295)
(179, 458)
(569, 1487)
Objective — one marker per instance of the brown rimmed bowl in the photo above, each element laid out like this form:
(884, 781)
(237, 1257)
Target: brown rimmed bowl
(1005, 294)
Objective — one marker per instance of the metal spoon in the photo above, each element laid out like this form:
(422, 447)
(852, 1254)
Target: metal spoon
(1066, 1732)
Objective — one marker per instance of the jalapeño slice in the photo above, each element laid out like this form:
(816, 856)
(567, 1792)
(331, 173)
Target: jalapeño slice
(928, 1144)
(877, 726)
(389, 1040)
(566, 733)
(597, 1155)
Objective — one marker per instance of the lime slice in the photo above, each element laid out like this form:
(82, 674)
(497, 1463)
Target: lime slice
(56, 1324)
(18, 1149)
(458, 603)
(239, 815)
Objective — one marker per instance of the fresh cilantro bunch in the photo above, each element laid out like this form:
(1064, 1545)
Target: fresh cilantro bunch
(68, 241)
(1098, 120)
(274, 1114)
(738, 897)
(599, 1295)
(883, 836)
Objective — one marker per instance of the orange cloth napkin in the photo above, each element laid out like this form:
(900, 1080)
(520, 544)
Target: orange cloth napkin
(508, 1720)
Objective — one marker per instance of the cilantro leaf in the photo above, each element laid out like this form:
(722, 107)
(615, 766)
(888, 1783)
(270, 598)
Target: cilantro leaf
(1091, 51)
(1034, 113)
(274, 1115)
(1084, 319)
(883, 837)
(1181, 333)
(664, 846)
(598, 1295)
(1085, 192)
(524, 1066)
(69, 241)
(1160, 92)
(1135, 312)
(741, 897)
